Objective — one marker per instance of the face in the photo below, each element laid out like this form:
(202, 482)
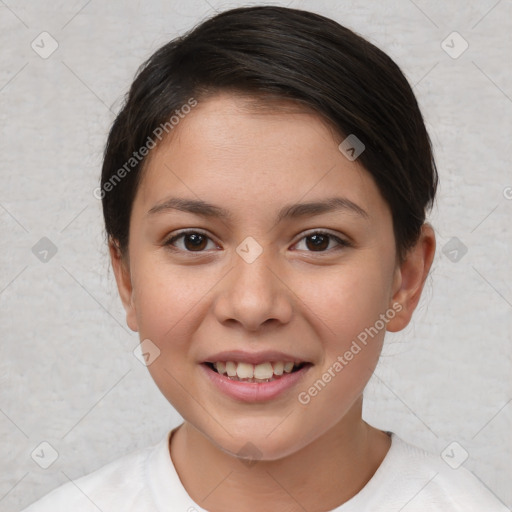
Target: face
(267, 282)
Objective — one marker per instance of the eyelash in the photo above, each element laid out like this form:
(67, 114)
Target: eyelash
(341, 243)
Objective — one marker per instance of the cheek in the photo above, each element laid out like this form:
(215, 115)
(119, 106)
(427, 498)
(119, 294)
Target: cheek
(346, 308)
(167, 297)
(345, 300)
(168, 302)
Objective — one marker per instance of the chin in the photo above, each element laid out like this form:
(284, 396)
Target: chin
(256, 444)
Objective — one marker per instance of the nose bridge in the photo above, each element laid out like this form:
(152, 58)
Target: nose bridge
(252, 292)
(252, 278)
(254, 273)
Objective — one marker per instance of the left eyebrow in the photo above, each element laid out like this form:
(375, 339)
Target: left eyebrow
(331, 204)
(204, 209)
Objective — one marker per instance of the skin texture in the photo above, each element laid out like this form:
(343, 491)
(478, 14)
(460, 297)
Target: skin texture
(294, 298)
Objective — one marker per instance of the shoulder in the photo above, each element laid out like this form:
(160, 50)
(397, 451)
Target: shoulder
(425, 482)
(119, 485)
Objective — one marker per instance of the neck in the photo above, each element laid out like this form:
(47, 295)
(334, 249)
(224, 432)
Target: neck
(319, 477)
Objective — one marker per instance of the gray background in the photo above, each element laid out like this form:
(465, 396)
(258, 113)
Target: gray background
(68, 376)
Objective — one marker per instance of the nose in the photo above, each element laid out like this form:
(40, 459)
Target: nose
(254, 296)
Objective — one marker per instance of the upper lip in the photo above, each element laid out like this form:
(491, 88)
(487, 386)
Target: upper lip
(253, 357)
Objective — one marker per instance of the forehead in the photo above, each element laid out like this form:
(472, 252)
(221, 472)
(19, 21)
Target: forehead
(229, 148)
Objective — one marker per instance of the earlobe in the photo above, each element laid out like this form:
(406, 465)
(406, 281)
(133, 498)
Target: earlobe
(410, 278)
(124, 284)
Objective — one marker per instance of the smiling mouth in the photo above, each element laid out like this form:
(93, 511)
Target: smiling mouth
(259, 373)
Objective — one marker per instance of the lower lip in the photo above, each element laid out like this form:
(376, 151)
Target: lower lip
(255, 391)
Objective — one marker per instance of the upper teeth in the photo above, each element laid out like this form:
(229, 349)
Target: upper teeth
(249, 371)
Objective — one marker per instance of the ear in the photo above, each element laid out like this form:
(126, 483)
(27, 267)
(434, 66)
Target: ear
(410, 278)
(121, 268)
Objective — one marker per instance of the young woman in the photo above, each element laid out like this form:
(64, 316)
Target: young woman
(264, 190)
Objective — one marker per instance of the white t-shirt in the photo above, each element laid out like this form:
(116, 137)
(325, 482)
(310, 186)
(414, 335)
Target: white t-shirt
(408, 480)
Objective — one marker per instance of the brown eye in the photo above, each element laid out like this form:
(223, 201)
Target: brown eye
(193, 241)
(319, 241)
